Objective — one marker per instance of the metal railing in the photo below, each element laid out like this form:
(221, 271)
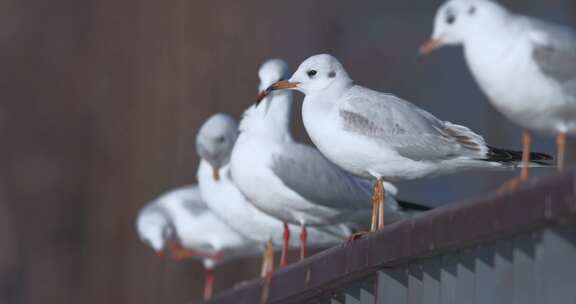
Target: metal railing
(514, 248)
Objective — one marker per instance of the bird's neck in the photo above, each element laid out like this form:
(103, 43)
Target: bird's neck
(495, 39)
(497, 48)
(327, 99)
(271, 118)
(279, 110)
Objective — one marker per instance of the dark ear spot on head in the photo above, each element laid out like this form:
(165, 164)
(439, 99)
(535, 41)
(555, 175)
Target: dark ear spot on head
(332, 74)
(472, 10)
(450, 18)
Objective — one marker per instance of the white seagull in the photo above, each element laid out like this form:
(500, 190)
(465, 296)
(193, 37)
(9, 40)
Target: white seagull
(214, 144)
(179, 222)
(289, 180)
(378, 135)
(526, 67)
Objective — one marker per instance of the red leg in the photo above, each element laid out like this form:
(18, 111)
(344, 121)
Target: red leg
(178, 253)
(285, 246)
(374, 221)
(561, 147)
(303, 241)
(268, 269)
(270, 254)
(356, 236)
(513, 184)
(526, 147)
(265, 261)
(266, 288)
(208, 284)
(381, 200)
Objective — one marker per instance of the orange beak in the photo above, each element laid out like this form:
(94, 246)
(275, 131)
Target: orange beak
(429, 46)
(216, 173)
(160, 254)
(280, 85)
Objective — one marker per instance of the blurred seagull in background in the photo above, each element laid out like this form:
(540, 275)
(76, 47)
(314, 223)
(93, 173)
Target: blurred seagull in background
(526, 67)
(180, 223)
(378, 135)
(214, 144)
(292, 181)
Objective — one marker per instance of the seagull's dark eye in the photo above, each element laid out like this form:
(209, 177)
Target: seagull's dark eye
(220, 139)
(450, 19)
(472, 10)
(311, 73)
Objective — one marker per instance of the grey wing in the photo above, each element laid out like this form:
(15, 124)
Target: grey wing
(409, 130)
(554, 51)
(304, 170)
(151, 208)
(190, 198)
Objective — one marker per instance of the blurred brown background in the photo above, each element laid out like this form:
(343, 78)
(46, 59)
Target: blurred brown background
(100, 102)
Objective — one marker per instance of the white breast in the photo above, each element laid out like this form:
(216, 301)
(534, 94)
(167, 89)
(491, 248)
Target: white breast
(251, 162)
(323, 126)
(240, 214)
(226, 200)
(514, 83)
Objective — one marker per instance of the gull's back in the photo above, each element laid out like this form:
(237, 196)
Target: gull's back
(411, 131)
(554, 51)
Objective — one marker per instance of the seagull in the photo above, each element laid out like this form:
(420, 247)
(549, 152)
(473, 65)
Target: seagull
(179, 222)
(214, 144)
(292, 181)
(526, 67)
(380, 136)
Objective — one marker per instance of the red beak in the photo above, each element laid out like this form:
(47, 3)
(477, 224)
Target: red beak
(280, 85)
(429, 46)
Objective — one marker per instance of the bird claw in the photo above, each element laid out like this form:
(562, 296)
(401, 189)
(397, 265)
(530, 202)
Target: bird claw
(178, 253)
(356, 236)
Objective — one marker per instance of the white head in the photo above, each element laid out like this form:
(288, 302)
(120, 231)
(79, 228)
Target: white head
(272, 71)
(270, 115)
(154, 228)
(317, 73)
(457, 21)
(216, 139)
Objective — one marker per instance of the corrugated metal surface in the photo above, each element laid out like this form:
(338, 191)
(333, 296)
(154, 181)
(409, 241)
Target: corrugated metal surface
(517, 248)
(539, 267)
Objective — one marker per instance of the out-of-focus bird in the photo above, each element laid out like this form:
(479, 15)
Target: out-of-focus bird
(526, 67)
(289, 180)
(380, 136)
(214, 143)
(179, 223)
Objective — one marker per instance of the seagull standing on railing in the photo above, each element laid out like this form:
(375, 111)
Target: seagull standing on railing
(288, 180)
(179, 223)
(214, 143)
(380, 136)
(525, 66)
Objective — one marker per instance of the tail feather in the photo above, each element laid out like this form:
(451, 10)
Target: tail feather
(409, 206)
(510, 156)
